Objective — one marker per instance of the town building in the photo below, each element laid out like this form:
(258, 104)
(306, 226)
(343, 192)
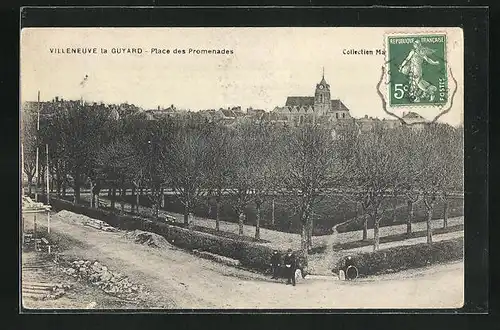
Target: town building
(310, 109)
(153, 114)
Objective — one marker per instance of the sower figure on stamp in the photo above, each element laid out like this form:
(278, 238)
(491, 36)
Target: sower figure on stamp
(275, 264)
(290, 267)
(412, 67)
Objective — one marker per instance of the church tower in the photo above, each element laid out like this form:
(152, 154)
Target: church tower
(322, 103)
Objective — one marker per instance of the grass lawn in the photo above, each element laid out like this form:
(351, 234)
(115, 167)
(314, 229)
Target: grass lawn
(327, 213)
(396, 237)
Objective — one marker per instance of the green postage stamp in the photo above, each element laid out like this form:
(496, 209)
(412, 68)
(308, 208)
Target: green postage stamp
(417, 70)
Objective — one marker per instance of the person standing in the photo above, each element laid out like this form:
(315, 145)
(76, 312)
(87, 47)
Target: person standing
(275, 263)
(290, 266)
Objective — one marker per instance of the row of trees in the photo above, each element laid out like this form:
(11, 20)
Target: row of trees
(249, 162)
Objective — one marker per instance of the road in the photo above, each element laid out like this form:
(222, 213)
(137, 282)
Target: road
(177, 279)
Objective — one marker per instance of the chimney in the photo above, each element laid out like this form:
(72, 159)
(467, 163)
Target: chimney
(158, 107)
(57, 99)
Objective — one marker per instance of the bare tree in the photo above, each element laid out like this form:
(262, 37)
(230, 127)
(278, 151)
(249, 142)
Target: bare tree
(265, 169)
(453, 165)
(29, 140)
(311, 163)
(377, 171)
(219, 144)
(432, 180)
(244, 163)
(80, 130)
(186, 164)
(117, 162)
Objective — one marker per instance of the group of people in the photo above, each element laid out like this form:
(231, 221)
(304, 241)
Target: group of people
(289, 263)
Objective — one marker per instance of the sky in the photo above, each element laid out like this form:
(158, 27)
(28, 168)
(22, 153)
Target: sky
(266, 66)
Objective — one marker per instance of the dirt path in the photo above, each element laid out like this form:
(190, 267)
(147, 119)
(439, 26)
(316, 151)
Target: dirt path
(177, 279)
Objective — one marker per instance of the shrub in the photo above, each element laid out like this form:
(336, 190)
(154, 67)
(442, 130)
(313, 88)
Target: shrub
(406, 257)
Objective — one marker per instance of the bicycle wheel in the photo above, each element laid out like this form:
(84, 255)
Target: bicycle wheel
(351, 273)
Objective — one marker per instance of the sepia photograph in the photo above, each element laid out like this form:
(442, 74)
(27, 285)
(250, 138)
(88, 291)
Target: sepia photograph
(241, 168)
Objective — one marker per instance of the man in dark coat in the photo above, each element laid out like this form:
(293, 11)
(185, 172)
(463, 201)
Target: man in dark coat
(290, 266)
(275, 263)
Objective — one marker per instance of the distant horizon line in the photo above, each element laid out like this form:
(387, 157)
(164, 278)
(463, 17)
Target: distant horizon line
(365, 116)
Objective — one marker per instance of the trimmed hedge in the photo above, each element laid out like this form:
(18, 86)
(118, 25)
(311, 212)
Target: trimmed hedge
(406, 257)
(251, 255)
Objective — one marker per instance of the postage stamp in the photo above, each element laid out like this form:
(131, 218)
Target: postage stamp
(417, 70)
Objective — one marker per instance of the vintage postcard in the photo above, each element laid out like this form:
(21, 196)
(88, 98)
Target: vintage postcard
(236, 168)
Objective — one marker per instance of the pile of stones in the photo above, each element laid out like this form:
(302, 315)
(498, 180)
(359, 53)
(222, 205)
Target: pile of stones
(57, 291)
(110, 282)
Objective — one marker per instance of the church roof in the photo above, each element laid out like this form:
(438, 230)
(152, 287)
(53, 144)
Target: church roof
(292, 101)
(337, 105)
(305, 101)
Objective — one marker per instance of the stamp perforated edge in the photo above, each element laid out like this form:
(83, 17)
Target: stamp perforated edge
(387, 60)
(386, 76)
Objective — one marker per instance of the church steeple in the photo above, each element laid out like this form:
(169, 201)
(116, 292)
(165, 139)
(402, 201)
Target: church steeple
(322, 103)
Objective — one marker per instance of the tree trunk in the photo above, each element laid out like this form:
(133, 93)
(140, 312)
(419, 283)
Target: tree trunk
(77, 192)
(110, 192)
(217, 215)
(303, 240)
(133, 200)
(430, 209)
(272, 215)
(257, 221)
(157, 203)
(113, 197)
(376, 235)
(310, 226)
(365, 227)
(58, 187)
(64, 189)
(241, 222)
(209, 209)
(138, 200)
(122, 198)
(410, 217)
(92, 197)
(30, 183)
(186, 213)
(162, 198)
(445, 212)
(356, 213)
(394, 208)
(141, 193)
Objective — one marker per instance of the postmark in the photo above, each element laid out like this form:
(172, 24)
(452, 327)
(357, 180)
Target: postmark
(417, 70)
